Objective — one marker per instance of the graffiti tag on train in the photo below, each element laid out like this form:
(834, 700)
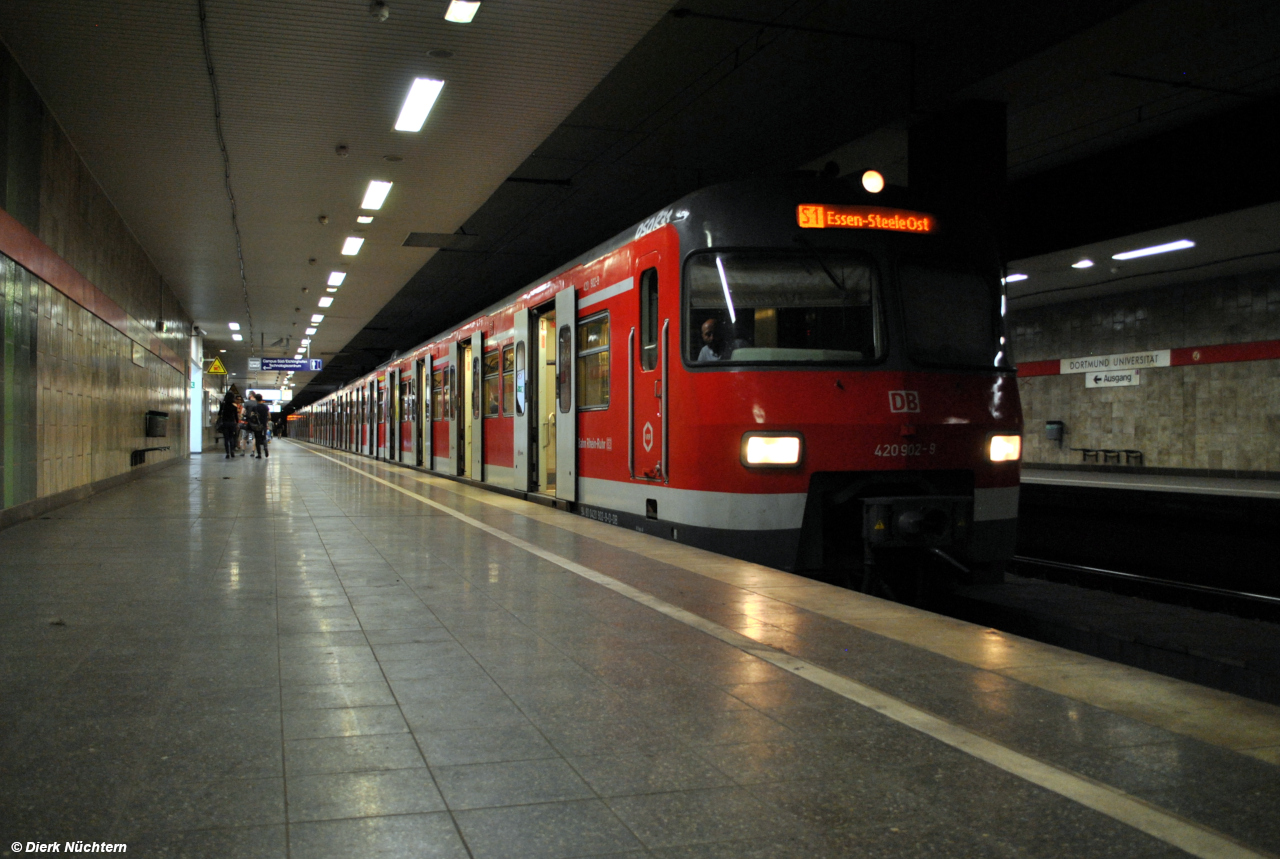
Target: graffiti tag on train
(906, 449)
(598, 515)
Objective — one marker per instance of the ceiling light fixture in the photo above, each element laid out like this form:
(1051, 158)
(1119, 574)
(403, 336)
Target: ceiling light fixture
(311, 331)
(418, 103)
(326, 301)
(376, 194)
(331, 289)
(351, 246)
(317, 318)
(1084, 263)
(1181, 244)
(337, 277)
(306, 341)
(462, 11)
(237, 337)
(234, 326)
(364, 219)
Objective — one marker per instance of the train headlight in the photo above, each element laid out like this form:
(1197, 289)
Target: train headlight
(772, 449)
(1005, 448)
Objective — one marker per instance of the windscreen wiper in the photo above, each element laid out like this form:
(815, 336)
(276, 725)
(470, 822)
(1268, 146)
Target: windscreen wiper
(804, 243)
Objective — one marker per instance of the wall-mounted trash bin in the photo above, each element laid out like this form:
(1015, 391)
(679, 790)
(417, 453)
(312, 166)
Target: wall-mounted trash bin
(1054, 431)
(157, 424)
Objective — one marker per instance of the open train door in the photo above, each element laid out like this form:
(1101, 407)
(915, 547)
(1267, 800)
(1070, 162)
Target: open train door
(477, 415)
(566, 402)
(522, 425)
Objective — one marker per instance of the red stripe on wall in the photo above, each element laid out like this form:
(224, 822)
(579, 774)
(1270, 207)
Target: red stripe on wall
(1039, 368)
(1262, 350)
(25, 248)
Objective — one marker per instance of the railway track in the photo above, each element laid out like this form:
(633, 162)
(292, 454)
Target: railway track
(1204, 597)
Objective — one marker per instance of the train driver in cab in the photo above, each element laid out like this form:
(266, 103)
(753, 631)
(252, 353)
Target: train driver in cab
(713, 345)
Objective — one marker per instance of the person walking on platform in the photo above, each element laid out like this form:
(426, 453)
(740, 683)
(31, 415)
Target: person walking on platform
(256, 416)
(229, 423)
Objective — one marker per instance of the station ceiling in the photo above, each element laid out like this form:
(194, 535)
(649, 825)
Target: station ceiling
(562, 123)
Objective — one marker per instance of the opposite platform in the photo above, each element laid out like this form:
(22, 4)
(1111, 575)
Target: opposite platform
(318, 655)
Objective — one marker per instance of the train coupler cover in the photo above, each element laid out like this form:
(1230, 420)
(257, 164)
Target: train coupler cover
(925, 521)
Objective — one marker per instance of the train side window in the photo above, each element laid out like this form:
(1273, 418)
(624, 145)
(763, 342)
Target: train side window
(508, 381)
(649, 319)
(492, 384)
(593, 363)
(437, 395)
(520, 381)
(564, 354)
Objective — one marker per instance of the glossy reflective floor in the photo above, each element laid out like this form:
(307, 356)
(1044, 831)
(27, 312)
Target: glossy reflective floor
(297, 657)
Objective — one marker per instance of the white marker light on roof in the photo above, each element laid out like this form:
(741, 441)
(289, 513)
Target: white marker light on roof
(376, 195)
(317, 318)
(237, 337)
(352, 245)
(418, 103)
(461, 11)
(337, 277)
(1084, 263)
(873, 181)
(234, 326)
(326, 301)
(1014, 278)
(1181, 244)
(364, 219)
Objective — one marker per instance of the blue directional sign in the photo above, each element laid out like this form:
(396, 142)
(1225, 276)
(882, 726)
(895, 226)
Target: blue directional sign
(297, 365)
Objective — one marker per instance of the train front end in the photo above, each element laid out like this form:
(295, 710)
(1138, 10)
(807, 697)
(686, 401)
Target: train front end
(844, 354)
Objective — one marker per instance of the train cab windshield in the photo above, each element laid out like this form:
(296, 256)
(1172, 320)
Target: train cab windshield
(951, 315)
(753, 307)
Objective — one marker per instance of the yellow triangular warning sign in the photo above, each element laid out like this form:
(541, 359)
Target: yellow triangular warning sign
(216, 368)
(880, 525)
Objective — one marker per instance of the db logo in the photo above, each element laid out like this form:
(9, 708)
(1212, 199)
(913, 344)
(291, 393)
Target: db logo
(904, 401)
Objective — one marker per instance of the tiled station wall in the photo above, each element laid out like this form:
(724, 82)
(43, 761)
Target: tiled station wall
(76, 386)
(1215, 416)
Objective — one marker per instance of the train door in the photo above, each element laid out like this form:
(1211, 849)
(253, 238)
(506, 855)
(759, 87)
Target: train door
(422, 410)
(543, 404)
(404, 414)
(450, 397)
(477, 407)
(566, 404)
(522, 428)
(647, 365)
(380, 418)
(463, 407)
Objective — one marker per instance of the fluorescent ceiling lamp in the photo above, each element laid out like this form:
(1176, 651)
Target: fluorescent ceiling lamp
(311, 331)
(376, 195)
(317, 318)
(1181, 244)
(461, 11)
(364, 219)
(337, 277)
(237, 337)
(326, 301)
(306, 341)
(234, 326)
(1084, 263)
(351, 246)
(331, 289)
(418, 103)
(1014, 278)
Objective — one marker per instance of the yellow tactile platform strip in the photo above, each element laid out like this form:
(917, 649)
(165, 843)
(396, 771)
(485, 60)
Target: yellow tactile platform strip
(1226, 720)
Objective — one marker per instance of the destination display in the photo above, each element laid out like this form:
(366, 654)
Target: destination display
(821, 217)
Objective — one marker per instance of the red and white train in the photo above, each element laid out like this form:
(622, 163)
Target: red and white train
(793, 371)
